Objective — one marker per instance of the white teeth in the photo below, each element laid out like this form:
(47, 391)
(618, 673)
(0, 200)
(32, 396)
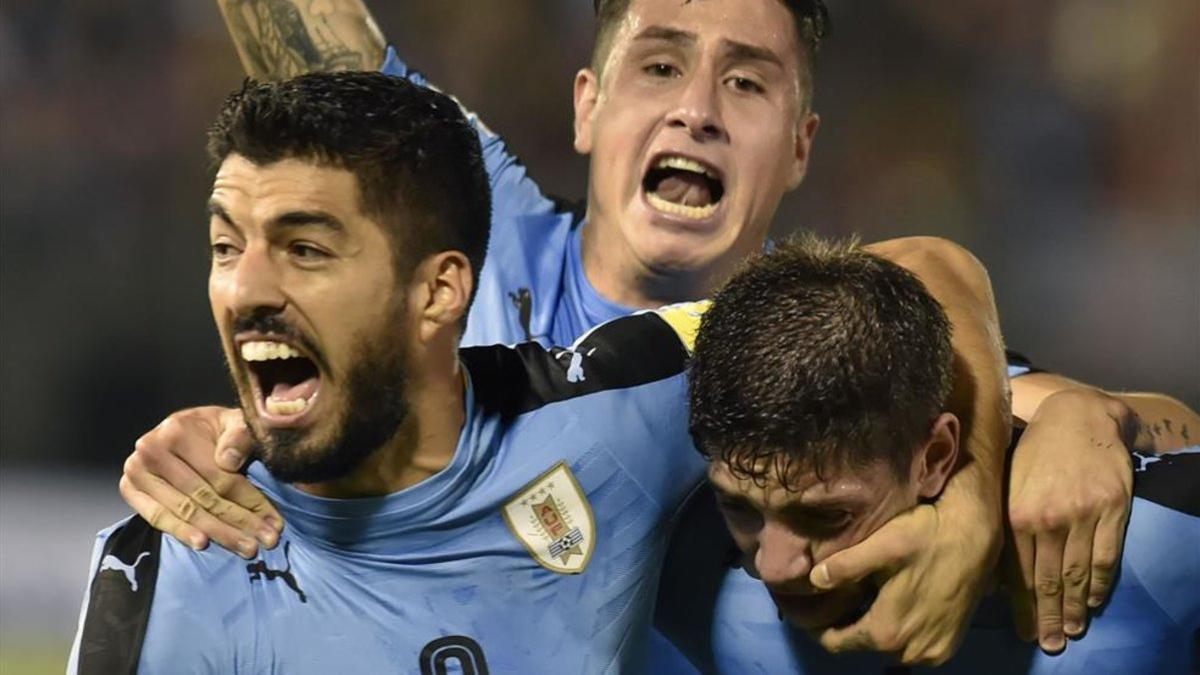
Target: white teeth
(683, 164)
(693, 212)
(266, 350)
(276, 406)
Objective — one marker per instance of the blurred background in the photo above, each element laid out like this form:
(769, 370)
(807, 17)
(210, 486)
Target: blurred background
(1059, 140)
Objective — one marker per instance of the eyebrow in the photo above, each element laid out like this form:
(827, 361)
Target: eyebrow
(736, 51)
(666, 34)
(740, 51)
(289, 219)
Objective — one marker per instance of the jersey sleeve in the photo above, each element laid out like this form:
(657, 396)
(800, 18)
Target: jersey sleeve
(116, 606)
(514, 193)
(684, 319)
(1019, 364)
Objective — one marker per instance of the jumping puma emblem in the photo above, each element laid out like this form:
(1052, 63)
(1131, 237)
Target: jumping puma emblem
(112, 562)
(522, 300)
(575, 366)
(258, 570)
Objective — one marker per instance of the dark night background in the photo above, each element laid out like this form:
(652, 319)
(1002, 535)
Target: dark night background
(1058, 140)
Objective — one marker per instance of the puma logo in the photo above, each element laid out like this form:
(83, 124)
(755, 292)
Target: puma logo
(259, 570)
(522, 299)
(112, 562)
(575, 367)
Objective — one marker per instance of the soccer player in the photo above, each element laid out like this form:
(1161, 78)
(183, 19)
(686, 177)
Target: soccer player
(696, 127)
(818, 394)
(449, 510)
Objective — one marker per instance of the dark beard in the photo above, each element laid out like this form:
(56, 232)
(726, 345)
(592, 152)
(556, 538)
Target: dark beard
(376, 407)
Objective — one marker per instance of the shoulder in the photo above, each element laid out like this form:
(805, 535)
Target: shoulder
(1171, 479)
(625, 353)
(120, 597)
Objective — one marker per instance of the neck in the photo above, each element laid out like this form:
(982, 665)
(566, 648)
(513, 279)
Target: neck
(615, 272)
(423, 445)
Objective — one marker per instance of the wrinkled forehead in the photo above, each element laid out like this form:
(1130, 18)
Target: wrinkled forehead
(764, 23)
(289, 183)
(772, 487)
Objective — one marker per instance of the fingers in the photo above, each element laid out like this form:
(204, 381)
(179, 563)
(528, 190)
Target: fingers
(247, 508)
(886, 549)
(235, 442)
(157, 515)
(1106, 555)
(1076, 574)
(1019, 578)
(1048, 588)
(883, 629)
(166, 482)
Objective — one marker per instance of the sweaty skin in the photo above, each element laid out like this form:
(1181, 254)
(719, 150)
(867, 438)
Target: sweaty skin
(692, 96)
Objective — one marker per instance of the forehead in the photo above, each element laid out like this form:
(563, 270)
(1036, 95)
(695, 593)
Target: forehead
(765, 23)
(858, 484)
(288, 184)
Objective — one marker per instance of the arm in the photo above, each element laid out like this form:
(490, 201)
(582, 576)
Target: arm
(173, 481)
(938, 558)
(1067, 534)
(278, 39)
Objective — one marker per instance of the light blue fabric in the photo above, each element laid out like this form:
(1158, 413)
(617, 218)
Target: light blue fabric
(384, 578)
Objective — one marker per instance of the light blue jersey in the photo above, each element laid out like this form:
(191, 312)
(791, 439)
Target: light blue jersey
(536, 550)
(532, 285)
(1149, 625)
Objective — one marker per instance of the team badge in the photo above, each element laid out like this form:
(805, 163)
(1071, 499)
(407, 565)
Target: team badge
(552, 518)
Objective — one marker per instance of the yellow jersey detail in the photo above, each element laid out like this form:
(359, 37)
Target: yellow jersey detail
(684, 317)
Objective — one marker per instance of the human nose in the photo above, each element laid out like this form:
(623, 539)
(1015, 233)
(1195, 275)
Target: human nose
(698, 108)
(255, 284)
(783, 558)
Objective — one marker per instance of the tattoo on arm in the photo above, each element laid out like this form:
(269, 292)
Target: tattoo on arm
(278, 39)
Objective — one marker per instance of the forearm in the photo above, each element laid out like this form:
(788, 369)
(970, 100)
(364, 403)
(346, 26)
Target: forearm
(278, 39)
(1150, 423)
(980, 396)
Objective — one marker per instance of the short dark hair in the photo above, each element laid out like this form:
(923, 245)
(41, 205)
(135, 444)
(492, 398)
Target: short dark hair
(818, 355)
(810, 16)
(417, 159)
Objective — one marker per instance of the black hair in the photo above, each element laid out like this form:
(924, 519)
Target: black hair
(811, 19)
(417, 159)
(818, 355)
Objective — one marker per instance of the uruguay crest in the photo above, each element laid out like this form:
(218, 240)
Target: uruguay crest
(552, 518)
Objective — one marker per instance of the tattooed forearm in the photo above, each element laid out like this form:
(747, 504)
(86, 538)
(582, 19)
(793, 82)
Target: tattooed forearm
(278, 39)
(1167, 426)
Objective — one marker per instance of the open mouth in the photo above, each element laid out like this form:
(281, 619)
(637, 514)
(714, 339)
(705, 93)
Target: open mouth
(683, 186)
(285, 381)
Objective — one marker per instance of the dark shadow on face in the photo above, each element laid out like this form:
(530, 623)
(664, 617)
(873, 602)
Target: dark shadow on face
(375, 409)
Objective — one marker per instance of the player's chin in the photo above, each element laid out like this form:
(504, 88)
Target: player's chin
(679, 252)
(817, 612)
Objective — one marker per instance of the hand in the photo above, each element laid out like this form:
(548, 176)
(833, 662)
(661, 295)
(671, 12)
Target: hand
(1069, 499)
(932, 567)
(174, 482)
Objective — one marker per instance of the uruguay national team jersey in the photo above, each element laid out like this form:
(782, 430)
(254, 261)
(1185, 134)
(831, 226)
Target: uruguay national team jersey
(1149, 626)
(532, 285)
(536, 550)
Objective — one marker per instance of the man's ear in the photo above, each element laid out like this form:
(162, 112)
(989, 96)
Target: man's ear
(806, 132)
(440, 293)
(935, 461)
(587, 93)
